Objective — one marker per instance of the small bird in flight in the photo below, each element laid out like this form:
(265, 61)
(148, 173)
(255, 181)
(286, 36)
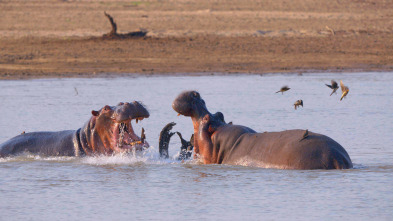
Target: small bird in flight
(298, 103)
(344, 89)
(334, 86)
(283, 89)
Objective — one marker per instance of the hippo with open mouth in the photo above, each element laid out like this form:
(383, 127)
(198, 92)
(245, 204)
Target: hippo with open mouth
(108, 131)
(217, 142)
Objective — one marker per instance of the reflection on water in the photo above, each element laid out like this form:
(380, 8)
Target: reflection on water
(143, 186)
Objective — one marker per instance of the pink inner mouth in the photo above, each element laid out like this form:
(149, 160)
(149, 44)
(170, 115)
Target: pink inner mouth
(124, 138)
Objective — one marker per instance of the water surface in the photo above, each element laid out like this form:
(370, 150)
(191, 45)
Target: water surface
(147, 187)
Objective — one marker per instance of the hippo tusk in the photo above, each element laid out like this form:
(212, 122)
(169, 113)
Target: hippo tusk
(136, 142)
(133, 143)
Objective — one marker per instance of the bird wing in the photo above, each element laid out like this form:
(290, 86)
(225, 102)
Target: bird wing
(334, 84)
(329, 86)
(342, 96)
(342, 86)
(334, 91)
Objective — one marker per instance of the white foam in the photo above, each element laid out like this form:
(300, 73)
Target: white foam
(149, 156)
(32, 157)
(245, 161)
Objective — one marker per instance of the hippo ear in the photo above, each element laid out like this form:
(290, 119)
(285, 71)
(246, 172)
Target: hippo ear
(196, 94)
(95, 113)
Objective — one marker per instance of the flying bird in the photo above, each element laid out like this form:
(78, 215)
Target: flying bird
(334, 86)
(283, 89)
(298, 103)
(344, 89)
(305, 135)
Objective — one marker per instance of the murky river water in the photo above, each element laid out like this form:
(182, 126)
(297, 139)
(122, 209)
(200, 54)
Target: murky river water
(146, 187)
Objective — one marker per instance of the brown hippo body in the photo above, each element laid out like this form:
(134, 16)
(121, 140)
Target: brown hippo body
(218, 142)
(108, 131)
(278, 149)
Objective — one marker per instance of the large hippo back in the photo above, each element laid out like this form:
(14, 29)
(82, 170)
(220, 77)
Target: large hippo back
(286, 150)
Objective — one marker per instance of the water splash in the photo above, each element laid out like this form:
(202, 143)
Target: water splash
(122, 127)
(148, 156)
(247, 162)
(359, 166)
(32, 157)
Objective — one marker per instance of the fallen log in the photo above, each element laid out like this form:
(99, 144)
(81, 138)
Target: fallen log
(114, 35)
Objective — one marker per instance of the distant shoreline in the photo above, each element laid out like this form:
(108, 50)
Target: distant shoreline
(194, 38)
(32, 76)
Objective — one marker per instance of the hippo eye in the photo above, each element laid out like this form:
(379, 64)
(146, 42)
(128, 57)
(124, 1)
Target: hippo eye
(121, 103)
(107, 108)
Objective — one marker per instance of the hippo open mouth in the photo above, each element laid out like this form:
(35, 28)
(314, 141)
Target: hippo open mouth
(125, 137)
(113, 126)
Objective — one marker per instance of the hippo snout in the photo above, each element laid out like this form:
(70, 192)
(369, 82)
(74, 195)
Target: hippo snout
(133, 110)
(187, 102)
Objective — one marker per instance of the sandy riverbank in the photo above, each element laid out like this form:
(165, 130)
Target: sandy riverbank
(55, 38)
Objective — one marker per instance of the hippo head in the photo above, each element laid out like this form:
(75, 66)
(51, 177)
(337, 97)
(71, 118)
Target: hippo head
(190, 104)
(110, 131)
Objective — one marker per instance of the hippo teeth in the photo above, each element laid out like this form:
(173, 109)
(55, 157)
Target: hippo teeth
(139, 119)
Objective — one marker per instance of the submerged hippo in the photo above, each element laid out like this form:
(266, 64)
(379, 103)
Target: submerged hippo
(108, 131)
(218, 142)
